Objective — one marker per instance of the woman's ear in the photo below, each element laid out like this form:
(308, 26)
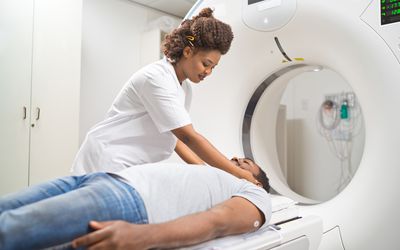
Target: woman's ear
(187, 52)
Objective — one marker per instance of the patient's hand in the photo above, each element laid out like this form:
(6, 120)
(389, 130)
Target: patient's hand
(114, 235)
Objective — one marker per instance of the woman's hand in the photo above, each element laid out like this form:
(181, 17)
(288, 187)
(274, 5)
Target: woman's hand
(244, 174)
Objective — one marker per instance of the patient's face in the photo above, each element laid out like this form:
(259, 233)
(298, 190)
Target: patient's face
(246, 164)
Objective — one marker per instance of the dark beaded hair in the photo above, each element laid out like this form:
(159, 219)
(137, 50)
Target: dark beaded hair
(202, 32)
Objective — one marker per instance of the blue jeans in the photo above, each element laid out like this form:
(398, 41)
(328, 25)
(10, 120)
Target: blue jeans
(59, 211)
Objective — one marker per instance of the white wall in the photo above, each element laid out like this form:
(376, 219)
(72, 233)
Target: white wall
(111, 44)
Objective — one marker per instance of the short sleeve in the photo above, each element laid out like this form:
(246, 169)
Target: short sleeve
(164, 101)
(259, 197)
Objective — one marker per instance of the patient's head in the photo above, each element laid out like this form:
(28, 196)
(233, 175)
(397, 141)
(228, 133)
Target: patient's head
(251, 166)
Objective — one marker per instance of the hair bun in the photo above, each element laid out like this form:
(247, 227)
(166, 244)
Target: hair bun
(206, 12)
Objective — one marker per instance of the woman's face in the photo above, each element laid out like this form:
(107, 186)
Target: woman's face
(197, 65)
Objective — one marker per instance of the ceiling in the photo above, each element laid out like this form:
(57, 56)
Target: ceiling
(177, 8)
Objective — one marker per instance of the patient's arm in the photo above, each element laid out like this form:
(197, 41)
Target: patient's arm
(234, 216)
(187, 154)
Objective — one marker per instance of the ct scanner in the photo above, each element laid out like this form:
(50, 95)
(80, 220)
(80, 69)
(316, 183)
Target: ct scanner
(276, 40)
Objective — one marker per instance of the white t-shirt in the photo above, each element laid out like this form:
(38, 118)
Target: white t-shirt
(172, 190)
(137, 127)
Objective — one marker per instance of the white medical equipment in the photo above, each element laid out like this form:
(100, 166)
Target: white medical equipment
(275, 40)
(339, 120)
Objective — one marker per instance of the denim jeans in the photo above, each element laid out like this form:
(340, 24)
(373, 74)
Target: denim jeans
(59, 211)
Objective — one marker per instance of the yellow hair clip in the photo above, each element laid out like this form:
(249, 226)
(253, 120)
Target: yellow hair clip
(190, 40)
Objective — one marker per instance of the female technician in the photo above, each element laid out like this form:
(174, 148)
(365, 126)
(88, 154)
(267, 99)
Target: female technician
(149, 117)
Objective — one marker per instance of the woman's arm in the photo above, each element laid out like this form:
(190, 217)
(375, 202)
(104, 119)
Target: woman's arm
(234, 216)
(186, 154)
(208, 153)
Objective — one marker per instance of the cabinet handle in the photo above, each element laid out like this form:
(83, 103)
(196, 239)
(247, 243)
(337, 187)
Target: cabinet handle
(24, 117)
(37, 114)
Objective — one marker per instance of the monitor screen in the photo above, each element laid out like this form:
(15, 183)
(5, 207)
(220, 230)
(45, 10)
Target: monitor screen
(254, 1)
(390, 11)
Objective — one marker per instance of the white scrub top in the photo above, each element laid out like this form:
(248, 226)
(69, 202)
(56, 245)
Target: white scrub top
(137, 128)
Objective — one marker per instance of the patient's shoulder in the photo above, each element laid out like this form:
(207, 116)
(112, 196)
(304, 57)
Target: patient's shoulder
(258, 196)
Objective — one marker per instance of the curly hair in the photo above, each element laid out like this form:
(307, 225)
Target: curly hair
(203, 32)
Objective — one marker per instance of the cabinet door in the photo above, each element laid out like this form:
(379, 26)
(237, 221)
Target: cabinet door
(16, 19)
(55, 88)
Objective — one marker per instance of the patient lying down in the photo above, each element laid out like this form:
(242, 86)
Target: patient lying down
(157, 205)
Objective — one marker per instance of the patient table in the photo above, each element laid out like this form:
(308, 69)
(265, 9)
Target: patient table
(287, 230)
